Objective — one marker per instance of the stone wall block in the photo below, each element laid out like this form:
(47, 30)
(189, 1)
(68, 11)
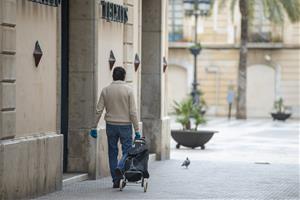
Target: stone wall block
(81, 55)
(7, 95)
(151, 97)
(152, 132)
(77, 144)
(152, 15)
(128, 53)
(151, 58)
(30, 166)
(8, 39)
(7, 124)
(81, 9)
(130, 15)
(129, 72)
(128, 32)
(93, 168)
(157, 133)
(103, 153)
(166, 137)
(8, 10)
(7, 67)
(15, 157)
(99, 162)
(78, 150)
(82, 104)
(54, 163)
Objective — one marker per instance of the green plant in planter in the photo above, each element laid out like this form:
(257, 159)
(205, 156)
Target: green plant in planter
(185, 111)
(279, 106)
(197, 115)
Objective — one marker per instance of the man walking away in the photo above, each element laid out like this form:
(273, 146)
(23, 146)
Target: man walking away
(118, 101)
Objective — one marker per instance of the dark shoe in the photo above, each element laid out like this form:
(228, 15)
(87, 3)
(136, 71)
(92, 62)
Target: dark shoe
(119, 173)
(116, 184)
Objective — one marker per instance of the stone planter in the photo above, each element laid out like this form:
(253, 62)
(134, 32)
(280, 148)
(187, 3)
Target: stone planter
(191, 138)
(280, 116)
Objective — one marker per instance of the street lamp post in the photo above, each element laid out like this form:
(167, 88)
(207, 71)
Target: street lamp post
(196, 8)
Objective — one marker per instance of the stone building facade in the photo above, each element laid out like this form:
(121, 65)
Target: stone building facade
(48, 109)
(273, 60)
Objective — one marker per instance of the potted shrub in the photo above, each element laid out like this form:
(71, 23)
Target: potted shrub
(190, 136)
(280, 111)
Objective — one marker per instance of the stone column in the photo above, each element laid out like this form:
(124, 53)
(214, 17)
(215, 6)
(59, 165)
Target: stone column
(153, 103)
(7, 69)
(83, 28)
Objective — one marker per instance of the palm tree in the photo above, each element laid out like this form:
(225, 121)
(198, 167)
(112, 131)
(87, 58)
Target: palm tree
(275, 11)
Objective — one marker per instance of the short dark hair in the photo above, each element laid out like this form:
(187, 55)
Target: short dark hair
(119, 74)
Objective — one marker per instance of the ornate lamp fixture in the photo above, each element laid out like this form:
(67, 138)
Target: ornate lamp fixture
(196, 8)
(165, 64)
(136, 62)
(37, 54)
(111, 60)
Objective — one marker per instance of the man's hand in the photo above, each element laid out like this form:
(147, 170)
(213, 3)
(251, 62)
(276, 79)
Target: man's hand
(137, 135)
(93, 132)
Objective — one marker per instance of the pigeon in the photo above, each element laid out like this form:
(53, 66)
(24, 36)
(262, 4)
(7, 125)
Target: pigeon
(186, 163)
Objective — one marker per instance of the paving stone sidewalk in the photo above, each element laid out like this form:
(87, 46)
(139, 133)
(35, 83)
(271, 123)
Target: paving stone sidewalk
(253, 159)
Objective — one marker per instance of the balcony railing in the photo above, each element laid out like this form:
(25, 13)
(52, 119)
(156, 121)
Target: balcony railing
(258, 34)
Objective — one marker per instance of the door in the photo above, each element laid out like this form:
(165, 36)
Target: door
(65, 78)
(260, 90)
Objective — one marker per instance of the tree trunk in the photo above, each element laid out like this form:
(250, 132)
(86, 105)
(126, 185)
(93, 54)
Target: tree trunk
(242, 70)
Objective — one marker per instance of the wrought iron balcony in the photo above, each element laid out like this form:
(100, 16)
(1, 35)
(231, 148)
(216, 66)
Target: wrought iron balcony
(269, 34)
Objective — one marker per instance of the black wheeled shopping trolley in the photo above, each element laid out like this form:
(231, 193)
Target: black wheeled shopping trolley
(136, 165)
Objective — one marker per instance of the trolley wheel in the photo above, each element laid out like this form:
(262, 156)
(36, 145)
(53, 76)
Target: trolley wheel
(177, 146)
(121, 184)
(145, 185)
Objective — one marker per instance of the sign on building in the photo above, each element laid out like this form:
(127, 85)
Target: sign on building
(114, 12)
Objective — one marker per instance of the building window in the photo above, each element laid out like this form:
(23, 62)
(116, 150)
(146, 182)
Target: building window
(176, 15)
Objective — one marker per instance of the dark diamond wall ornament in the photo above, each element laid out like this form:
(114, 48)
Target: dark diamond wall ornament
(37, 54)
(137, 62)
(111, 60)
(165, 64)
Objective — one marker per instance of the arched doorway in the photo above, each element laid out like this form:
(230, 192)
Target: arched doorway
(177, 85)
(260, 90)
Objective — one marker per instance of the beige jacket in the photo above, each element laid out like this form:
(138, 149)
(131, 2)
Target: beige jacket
(118, 101)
